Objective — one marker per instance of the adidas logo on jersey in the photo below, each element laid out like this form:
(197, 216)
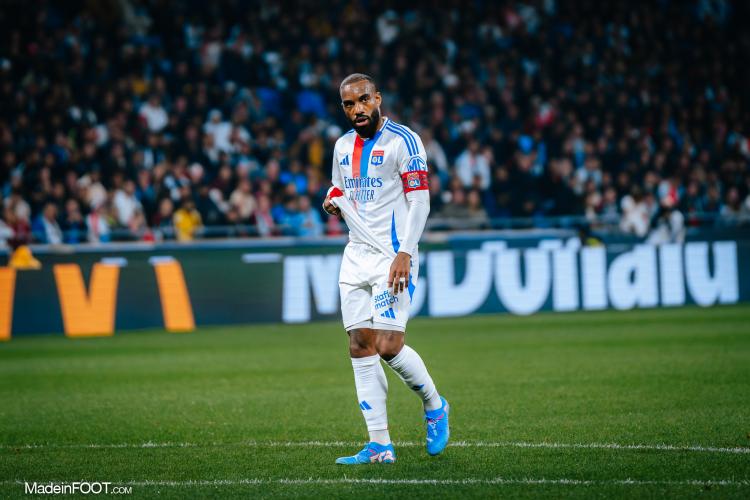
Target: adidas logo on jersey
(388, 314)
(345, 161)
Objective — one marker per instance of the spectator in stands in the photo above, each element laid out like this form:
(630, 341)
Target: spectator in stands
(45, 227)
(636, 215)
(457, 208)
(73, 226)
(187, 221)
(476, 211)
(712, 200)
(290, 217)
(435, 154)
(547, 108)
(219, 131)
(20, 209)
(139, 228)
(296, 176)
(262, 217)
(151, 154)
(668, 224)
(154, 114)
(6, 232)
(732, 206)
(164, 216)
(243, 201)
(311, 222)
(473, 168)
(17, 223)
(93, 192)
(99, 223)
(210, 206)
(126, 204)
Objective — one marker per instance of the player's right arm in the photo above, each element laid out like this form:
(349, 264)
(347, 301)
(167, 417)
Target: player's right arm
(337, 181)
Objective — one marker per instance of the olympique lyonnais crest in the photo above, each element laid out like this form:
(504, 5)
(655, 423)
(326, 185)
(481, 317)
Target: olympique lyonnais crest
(377, 157)
(412, 180)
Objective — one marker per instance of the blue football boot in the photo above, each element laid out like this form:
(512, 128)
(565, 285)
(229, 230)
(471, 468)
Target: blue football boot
(372, 453)
(438, 430)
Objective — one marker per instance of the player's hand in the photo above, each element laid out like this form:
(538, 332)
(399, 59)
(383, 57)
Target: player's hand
(398, 276)
(330, 207)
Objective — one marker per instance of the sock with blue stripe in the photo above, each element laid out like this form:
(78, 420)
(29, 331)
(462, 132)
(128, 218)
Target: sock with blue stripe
(372, 391)
(409, 366)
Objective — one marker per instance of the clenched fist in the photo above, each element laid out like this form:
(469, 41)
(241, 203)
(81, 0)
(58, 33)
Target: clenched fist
(330, 207)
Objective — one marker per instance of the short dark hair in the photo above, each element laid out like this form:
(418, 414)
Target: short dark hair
(357, 77)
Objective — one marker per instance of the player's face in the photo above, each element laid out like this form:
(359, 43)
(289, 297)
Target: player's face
(361, 103)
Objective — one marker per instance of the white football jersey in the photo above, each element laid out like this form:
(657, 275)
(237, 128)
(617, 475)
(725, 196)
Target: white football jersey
(375, 175)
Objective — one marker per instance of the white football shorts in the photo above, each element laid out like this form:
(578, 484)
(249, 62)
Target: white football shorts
(366, 300)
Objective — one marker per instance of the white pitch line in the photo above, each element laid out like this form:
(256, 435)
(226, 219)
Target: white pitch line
(405, 444)
(423, 482)
(611, 446)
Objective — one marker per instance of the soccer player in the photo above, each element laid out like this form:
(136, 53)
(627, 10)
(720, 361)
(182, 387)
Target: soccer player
(380, 166)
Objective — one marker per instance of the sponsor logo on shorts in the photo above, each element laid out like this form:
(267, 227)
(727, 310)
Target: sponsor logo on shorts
(384, 299)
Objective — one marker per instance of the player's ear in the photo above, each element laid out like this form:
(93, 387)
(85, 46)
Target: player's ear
(378, 98)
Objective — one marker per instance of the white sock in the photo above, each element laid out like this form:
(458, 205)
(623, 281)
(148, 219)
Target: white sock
(411, 369)
(380, 437)
(372, 390)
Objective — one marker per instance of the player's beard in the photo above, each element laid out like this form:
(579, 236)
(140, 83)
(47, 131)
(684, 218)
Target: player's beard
(368, 129)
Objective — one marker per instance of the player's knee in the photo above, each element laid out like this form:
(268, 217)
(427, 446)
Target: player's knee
(389, 344)
(361, 343)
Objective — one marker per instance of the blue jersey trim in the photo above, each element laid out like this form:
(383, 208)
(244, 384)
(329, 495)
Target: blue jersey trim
(394, 236)
(396, 246)
(411, 144)
(408, 140)
(408, 133)
(364, 159)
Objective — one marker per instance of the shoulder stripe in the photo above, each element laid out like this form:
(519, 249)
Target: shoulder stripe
(409, 134)
(410, 143)
(403, 136)
(350, 132)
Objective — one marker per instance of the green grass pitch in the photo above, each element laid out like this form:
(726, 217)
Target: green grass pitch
(609, 404)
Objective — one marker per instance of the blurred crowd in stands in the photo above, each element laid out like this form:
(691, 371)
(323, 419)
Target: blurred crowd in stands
(154, 119)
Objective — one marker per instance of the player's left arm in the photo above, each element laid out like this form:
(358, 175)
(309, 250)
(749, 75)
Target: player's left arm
(414, 177)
